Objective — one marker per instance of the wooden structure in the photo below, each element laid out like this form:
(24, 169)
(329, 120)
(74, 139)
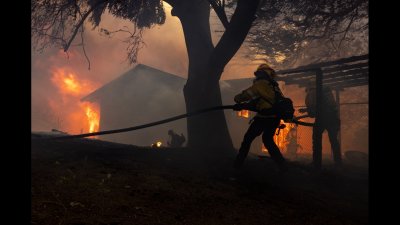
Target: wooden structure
(339, 74)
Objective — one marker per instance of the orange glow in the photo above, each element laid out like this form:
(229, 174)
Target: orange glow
(93, 117)
(80, 117)
(156, 144)
(244, 113)
(263, 148)
(67, 83)
(280, 139)
(71, 84)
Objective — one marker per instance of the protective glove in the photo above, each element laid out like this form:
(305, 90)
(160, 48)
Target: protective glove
(237, 107)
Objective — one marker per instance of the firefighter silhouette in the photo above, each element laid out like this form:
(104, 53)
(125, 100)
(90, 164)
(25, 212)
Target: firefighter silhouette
(176, 140)
(330, 121)
(263, 89)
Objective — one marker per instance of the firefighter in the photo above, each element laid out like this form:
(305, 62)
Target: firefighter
(176, 140)
(260, 97)
(329, 120)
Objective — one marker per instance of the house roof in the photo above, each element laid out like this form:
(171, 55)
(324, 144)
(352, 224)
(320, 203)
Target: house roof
(138, 72)
(339, 74)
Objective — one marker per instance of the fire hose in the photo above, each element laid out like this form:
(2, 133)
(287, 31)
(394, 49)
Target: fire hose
(223, 107)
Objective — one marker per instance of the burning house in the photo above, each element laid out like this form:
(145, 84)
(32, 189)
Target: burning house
(140, 96)
(145, 94)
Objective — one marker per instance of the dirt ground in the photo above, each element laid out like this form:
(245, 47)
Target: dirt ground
(82, 182)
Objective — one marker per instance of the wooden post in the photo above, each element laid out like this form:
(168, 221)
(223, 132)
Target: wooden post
(317, 130)
(337, 92)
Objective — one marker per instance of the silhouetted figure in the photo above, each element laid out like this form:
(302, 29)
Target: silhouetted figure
(261, 96)
(176, 140)
(330, 121)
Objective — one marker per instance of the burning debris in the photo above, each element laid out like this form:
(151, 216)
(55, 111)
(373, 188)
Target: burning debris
(156, 144)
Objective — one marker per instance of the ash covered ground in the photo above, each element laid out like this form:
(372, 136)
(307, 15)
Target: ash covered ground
(83, 181)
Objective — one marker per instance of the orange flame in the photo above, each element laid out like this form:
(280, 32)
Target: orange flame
(280, 139)
(68, 83)
(71, 84)
(80, 116)
(244, 113)
(93, 118)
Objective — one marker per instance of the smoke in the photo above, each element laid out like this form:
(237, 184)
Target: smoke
(164, 49)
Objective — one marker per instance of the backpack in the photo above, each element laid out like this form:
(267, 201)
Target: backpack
(283, 106)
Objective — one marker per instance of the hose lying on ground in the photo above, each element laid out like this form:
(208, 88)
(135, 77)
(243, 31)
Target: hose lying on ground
(223, 107)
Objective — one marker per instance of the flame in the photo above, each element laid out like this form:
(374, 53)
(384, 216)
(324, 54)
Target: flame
(93, 117)
(68, 83)
(280, 139)
(71, 84)
(156, 144)
(244, 113)
(79, 116)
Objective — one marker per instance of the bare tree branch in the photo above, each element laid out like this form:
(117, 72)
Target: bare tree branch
(83, 47)
(285, 25)
(81, 23)
(234, 36)
(219, 8)
(347, 29)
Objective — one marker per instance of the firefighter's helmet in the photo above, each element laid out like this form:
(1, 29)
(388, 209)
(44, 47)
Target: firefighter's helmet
(263, 66)
(266, 68)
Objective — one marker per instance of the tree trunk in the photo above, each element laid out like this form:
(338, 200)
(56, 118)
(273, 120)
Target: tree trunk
(208, 131)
